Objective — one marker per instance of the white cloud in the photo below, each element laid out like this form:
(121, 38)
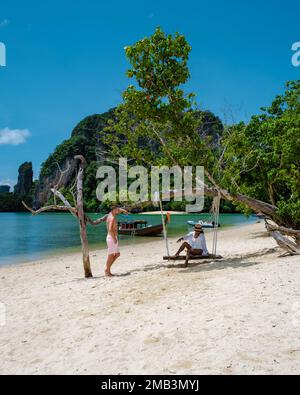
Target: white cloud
(13, 136)
(4, 23)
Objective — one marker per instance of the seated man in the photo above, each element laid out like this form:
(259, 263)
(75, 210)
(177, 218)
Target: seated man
(194, 244)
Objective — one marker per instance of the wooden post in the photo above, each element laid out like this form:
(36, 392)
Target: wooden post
(164, 225)
(82, 219)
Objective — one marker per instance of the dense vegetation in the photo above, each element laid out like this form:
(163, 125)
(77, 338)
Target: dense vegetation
(256, 166)
(84, 141)
(9, 202)
(89, 138)
(262, 158)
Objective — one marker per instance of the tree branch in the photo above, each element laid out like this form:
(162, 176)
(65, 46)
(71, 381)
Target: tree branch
(61, 196)
(64, 200)
(52, 207)
(283, 242)
(285, 231)
(97, 221)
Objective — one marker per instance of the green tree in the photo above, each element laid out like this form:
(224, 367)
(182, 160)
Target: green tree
(257, 165)
(262, 158)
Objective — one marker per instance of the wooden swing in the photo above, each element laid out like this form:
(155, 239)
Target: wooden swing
(211, 257)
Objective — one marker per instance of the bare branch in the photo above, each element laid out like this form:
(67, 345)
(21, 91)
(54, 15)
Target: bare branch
(285, 231)
(52, 207)
(62, 173)
(61, 196)
(82, 160)
(97, 221)
(277, 233)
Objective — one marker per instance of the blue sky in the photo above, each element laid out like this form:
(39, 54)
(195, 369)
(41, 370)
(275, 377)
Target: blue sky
(65, 60)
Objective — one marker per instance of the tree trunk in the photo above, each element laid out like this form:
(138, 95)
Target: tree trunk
(285, 243)
(270, 211)
(82, 219)
(256, 205)
(278, 232)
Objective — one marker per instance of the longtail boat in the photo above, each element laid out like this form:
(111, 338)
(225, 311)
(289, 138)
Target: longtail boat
(204, 224)
(139, 228)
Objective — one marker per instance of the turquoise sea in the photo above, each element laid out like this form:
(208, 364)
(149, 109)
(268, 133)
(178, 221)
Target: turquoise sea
(26, 238)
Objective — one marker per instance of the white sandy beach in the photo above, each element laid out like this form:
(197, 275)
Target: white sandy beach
(236, 316)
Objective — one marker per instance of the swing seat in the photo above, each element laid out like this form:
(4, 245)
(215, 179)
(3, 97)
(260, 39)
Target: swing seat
(192, 257)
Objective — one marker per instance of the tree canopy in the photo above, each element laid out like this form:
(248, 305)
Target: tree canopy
(262, 158)
(255, 164)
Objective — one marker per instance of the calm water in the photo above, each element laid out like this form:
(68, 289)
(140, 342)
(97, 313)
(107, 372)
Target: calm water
(26, 238)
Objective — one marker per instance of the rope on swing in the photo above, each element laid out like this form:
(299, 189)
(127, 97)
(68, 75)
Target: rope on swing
(158, 199)
(216, 214)
(164, 228)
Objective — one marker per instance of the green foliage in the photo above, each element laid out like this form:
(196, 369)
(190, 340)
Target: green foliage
(86, 141)
(159, 65)
(157, 112)
(9, 202)
(157, 123)
(262, 158)
(259, 159)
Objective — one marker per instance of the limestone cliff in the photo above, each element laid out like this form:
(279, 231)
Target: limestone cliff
(25, 180)
(84, 140)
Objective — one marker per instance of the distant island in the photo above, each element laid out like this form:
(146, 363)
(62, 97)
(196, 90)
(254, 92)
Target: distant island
(4, 189)
(24, 189)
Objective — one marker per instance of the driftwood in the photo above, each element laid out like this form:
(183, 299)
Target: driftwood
(52, 207)
(278, 232)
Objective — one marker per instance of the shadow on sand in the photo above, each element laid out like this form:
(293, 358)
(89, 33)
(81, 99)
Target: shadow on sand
(234, 262)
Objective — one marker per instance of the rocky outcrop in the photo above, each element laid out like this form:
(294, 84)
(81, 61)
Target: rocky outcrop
(25, 180)
(60, 177)
(88, 139)
(60, 168)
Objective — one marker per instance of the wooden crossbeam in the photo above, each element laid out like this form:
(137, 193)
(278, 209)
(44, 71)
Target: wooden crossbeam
(192, 258)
